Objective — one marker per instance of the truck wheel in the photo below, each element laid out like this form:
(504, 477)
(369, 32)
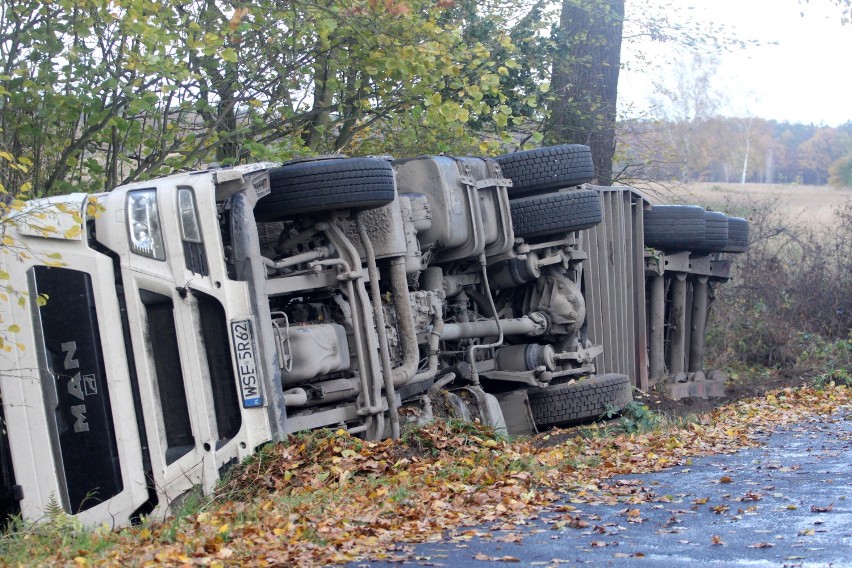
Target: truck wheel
(675, 227)
(547, 169)
(716, 232)
(581, 400)
(737, 235)
(554, 213)
(304, 187)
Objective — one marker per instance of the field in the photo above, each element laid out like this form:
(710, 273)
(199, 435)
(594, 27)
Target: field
(807, 204)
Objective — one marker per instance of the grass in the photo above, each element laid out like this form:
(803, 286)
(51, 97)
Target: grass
(812, 205)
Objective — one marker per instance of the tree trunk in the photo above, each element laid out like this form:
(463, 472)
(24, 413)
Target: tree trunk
(323, 101)
(585, 79)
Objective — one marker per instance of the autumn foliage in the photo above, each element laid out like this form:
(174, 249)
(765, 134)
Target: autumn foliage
(326, 497)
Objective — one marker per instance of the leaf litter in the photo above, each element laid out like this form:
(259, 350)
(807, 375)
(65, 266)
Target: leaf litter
(326, 497)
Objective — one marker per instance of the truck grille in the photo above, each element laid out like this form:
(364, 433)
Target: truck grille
(77, 401)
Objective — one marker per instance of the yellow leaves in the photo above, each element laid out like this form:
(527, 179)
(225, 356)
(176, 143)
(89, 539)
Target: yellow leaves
(73, 232)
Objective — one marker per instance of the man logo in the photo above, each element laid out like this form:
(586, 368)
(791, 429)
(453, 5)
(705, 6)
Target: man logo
(76, 385)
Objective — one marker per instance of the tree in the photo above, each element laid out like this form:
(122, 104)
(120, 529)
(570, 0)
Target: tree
(586, 65)
(97, 93)
(686, 102)
(840, 174)
(818, 153)
(74, 77)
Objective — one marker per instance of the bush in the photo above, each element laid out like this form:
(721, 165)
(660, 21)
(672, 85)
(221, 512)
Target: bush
(840, 174)
(791, 291)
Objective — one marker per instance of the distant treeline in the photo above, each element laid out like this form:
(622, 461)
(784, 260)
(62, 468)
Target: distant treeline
(731, 150)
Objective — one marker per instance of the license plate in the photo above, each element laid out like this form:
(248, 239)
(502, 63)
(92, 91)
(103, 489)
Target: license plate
(247, 372)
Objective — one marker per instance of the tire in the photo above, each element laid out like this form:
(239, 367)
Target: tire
(675, 227)
(555, 213)
(544, 170)
(306, 187)
(737, 235)
(716, 232)
(573, 402)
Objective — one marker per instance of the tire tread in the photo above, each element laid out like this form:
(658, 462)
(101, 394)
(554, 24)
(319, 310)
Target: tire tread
(572, 402)
(544, 170)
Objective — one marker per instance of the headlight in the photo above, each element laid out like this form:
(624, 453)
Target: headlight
(143, 224)
(189, 226)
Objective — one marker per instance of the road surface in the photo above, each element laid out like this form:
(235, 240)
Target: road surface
(788, 503)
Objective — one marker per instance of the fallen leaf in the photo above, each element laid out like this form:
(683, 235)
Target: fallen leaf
(826, 509)
(577, 523)
(716, 539)
(761, 545)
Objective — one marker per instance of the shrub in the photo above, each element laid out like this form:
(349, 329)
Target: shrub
(791, 291)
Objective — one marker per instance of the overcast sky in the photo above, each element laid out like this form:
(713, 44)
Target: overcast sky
(806, 77)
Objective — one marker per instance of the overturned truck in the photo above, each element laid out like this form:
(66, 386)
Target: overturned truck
(170, 327)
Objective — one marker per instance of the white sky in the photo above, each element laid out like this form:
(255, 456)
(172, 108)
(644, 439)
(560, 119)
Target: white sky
(806, 78)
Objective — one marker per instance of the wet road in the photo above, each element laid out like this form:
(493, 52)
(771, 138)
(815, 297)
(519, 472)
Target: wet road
(788, 503)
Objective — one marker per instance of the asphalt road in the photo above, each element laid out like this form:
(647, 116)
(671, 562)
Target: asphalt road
(788, 503)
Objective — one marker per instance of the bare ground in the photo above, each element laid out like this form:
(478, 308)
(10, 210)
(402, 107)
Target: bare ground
(736, 388)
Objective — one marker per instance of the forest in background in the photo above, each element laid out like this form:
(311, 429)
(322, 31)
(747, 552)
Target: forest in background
(734, 150)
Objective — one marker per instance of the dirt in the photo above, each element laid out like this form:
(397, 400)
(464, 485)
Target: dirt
(737, 387)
